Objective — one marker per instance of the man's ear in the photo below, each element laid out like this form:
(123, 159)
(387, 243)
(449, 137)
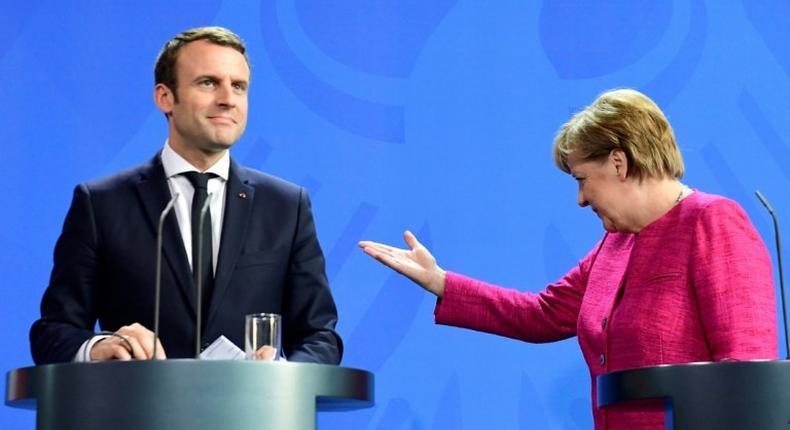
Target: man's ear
(164, 98)
(620, 162)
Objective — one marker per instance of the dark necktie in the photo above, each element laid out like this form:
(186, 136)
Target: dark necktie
(199, 182)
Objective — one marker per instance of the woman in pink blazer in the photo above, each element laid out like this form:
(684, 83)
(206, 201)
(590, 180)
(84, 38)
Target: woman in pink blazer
(679, 275)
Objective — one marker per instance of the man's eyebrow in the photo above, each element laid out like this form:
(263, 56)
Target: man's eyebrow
(202, 77)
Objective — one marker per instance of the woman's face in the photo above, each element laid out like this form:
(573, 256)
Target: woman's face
(601, 185)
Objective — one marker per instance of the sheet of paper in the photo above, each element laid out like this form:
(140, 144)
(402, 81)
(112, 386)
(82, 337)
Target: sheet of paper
(222, 349)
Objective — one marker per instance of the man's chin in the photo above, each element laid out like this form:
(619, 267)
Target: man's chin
(223, 139)
(219, 145)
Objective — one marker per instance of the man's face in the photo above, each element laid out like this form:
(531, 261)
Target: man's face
(211, 112)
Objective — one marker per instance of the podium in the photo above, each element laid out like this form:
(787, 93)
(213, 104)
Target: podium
(701, 396)
(186, 394)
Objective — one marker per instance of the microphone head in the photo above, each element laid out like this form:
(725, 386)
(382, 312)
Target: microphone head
(764, 201)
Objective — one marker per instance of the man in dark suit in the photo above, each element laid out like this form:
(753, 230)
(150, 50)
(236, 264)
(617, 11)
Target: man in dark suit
(262, 256)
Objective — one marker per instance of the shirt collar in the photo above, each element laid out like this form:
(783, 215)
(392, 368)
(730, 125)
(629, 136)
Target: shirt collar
(175, 164)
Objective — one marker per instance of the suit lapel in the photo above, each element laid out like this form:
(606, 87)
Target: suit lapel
(154, 194)
(239, 196)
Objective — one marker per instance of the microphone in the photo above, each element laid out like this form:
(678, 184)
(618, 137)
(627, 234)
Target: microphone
(158, 287)
(199, 265)
(778, 240)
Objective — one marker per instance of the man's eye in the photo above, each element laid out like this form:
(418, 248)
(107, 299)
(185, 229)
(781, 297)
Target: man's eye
(206, 83)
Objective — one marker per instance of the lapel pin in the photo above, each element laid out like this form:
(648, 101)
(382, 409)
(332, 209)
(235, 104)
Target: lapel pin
(243, 195)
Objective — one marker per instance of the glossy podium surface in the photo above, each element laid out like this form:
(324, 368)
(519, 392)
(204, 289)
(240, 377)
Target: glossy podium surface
(700, 396)
(186, 394)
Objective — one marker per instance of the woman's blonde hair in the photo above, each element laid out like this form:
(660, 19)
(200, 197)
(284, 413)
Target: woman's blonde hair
(627, 120)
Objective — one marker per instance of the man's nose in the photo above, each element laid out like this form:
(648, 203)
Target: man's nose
(226, 96)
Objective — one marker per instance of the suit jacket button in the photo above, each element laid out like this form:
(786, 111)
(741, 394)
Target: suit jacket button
(603, 323)
(601, 359)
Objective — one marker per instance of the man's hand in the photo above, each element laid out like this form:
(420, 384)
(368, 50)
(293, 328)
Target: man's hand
(266, 353)
(129, 342)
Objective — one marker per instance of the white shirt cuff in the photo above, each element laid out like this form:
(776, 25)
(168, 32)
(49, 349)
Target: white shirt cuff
(83, 354)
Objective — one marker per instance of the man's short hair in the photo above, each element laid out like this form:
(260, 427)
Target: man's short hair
(626, 120)
(165, 69)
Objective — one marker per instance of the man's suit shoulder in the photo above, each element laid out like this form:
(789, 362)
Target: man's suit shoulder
(270, 183)
(124, 179)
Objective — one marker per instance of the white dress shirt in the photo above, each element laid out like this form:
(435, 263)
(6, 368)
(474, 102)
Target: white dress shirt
(174, 166)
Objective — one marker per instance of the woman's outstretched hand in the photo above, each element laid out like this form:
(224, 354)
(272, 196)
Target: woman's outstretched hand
(415, 263)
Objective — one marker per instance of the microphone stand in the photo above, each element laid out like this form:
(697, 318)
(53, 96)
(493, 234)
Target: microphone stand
(158, 285)
(779, 265)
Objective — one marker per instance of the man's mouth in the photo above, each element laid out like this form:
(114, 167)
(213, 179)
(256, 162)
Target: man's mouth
(222, 120)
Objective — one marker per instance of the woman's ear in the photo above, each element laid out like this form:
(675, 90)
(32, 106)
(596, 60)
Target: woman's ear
(620, 162)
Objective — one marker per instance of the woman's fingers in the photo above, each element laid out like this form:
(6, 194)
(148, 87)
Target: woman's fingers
(380, 247)
(411, 240)
(416, 263)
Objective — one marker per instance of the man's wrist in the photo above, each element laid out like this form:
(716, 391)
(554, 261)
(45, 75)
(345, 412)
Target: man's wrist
(83, 355)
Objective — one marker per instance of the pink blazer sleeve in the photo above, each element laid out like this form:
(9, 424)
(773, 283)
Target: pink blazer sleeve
(543, 317)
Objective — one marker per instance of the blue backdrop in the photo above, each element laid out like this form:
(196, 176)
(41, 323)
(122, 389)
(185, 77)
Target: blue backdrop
(436, 116)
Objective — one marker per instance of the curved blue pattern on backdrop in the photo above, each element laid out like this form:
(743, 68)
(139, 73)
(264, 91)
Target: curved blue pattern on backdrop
(362, 117)
(381, 329)
(392, 311)
(770, 18)
(13, 21)
(258, 155)
(449, 414)
(347, 243)
(381, 37)
(767, 134)
(557, 252)
(589, 39)
(733, 187)
(90, 91)
(665, 86)
(531, 408)
(396, 413)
